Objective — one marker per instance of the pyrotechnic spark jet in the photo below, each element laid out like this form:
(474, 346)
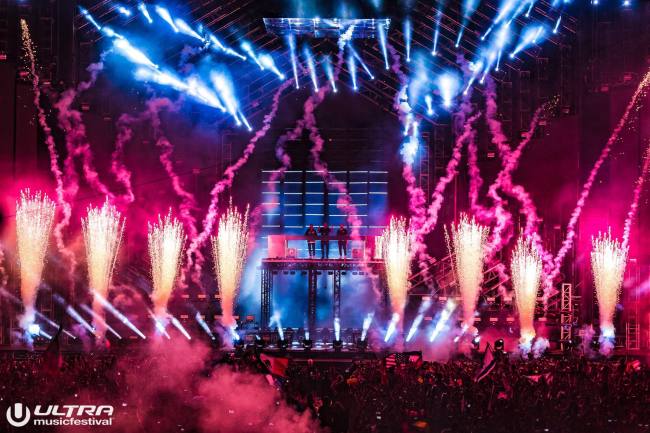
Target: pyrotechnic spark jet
(408, 33)
(468, 248)
(165, 15)
(165, 240)
(367, 321)
(353, 71)
(608, 261)
(526, 270)
(312, 67)
(229, 251)
(248, 49)
(100, 319)
(381, 29)
(102, 229)
(145, 12)
(226, 50)
(132, 53)
(396, 251)
(185, 29)
(34, 216)
(203, 325)
(330, 73)
(442, 320)
(424, 306)
(291, 39)
(90, 18)
(448, 85)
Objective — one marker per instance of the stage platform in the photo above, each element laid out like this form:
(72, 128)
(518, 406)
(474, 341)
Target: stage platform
(312, 268)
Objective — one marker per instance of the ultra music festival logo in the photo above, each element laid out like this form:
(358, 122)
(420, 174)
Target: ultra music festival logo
(19, 415)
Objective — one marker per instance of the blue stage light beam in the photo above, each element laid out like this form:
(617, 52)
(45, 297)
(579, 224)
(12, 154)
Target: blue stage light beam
(412, 144)
(199, 319)
(217, 44)
(115, 312)
(226, 93)
(428, 100)
(448, 84)
(267, 61)
(200, 91)
(408, 34)
(145, 12)
(101, 320)
(311, 66)
(160, 326)
(367, 321)
(329, 72)
(424, 306)
(291, 39)
(352, 66)
(531, 35)
(469, 6)
(124, 11)
(442, 320)
(248, 49)
(40, 315)
(361, 62)
(90, 18)
(133, 54)
(185, 29)
(382, 32)
(178, 325)
(557, 25)
(530, 8)
(275, 319)
(111, 33)
(165, 15)
(436, 33)
(392, 326)
(337, 328)
(160, 77)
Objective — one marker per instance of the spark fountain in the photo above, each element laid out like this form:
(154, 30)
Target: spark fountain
(608, 260)
(229, 251)
(396, 249)
(102, 230)
(526, 270)
(467, 247)
(166, 240)
(34, 216)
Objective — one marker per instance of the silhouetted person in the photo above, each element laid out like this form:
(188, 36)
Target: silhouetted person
(311, 240)
(342, 236)
(324, 233)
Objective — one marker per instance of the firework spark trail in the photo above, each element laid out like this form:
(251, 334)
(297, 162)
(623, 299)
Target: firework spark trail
(395, 247)
(634, 206)
(526, 270)
(66, 209)
(34, 217)
(165, 241)
(438, 193)
(198, 240)
(102, 230)
(586, 189)
(467, 246)
(608, 261)
(118, 168)
(77, 144)
(229, 252)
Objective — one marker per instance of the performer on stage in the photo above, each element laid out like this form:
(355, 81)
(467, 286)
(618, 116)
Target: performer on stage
(311, 240)
(324, 233)
(342, 236)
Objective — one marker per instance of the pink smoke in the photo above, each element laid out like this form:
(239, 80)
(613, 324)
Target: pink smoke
(586, 189)
(118, 168)
(634, 206)
(197, 240)
(64, 205)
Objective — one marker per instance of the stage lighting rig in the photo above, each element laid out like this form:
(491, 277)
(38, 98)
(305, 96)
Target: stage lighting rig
(360, 28)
